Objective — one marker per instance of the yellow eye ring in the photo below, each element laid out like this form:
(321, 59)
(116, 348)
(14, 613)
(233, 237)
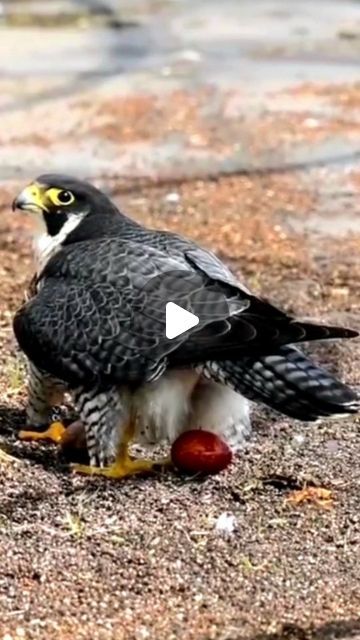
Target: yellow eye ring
(60, 197)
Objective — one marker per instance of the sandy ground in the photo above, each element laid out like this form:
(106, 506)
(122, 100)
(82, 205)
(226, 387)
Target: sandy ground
(87, 558)
(143, 559)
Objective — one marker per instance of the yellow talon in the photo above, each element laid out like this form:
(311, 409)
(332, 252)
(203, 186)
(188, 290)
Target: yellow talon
(54, 433)
(122, 468)
(124, 465)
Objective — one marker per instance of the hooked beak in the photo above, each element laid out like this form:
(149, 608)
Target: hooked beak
(30, 199)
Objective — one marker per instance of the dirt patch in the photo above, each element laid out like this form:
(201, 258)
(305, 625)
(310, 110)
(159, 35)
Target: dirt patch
(206, 120)
(201, 121)
(142, 559)
(343, 96)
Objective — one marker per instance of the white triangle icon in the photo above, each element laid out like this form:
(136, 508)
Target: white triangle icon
(178, 320)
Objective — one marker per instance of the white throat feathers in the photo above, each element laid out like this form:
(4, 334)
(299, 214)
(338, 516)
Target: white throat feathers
(45, 245)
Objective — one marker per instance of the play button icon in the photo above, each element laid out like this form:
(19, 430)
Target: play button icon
(178, 320)
(182, 300)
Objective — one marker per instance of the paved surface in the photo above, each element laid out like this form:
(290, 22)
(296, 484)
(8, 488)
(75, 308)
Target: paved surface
(237, 124)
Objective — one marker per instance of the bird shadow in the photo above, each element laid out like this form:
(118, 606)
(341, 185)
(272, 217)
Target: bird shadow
(333, 630)
(45, 454)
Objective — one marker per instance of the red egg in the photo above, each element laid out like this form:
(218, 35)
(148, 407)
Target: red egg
(199, 451)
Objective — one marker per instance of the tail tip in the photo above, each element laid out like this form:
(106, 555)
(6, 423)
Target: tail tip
(350, 333)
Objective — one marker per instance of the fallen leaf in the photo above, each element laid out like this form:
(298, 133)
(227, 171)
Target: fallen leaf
(317, 495)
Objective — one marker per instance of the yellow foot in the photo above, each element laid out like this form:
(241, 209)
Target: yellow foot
(54, 433)
(121, 468)
(5, 457)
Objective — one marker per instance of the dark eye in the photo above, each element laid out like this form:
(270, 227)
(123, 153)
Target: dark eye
(65, 197)
(60, 197)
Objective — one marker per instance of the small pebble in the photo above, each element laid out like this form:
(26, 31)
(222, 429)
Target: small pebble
(298, 439)
(172, 197)
(191, 55)
(311, 123)
(225, 523)
(332, 446)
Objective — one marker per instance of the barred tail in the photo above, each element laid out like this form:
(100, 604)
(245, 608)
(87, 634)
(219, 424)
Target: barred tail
(289, 382)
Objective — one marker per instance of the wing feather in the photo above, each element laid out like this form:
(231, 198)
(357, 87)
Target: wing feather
(99, 314)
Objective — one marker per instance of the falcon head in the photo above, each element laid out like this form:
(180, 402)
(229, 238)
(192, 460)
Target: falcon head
(58, 198)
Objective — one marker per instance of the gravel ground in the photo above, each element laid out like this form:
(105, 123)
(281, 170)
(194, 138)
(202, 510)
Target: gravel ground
(88, 558)
(239, 129)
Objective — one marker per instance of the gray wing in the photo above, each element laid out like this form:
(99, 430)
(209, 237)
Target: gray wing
(99, 316)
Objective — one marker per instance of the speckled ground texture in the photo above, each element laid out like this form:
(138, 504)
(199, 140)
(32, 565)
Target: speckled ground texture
(240, 128)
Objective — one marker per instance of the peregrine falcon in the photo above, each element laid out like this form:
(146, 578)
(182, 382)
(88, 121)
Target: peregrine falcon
(95, 327)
